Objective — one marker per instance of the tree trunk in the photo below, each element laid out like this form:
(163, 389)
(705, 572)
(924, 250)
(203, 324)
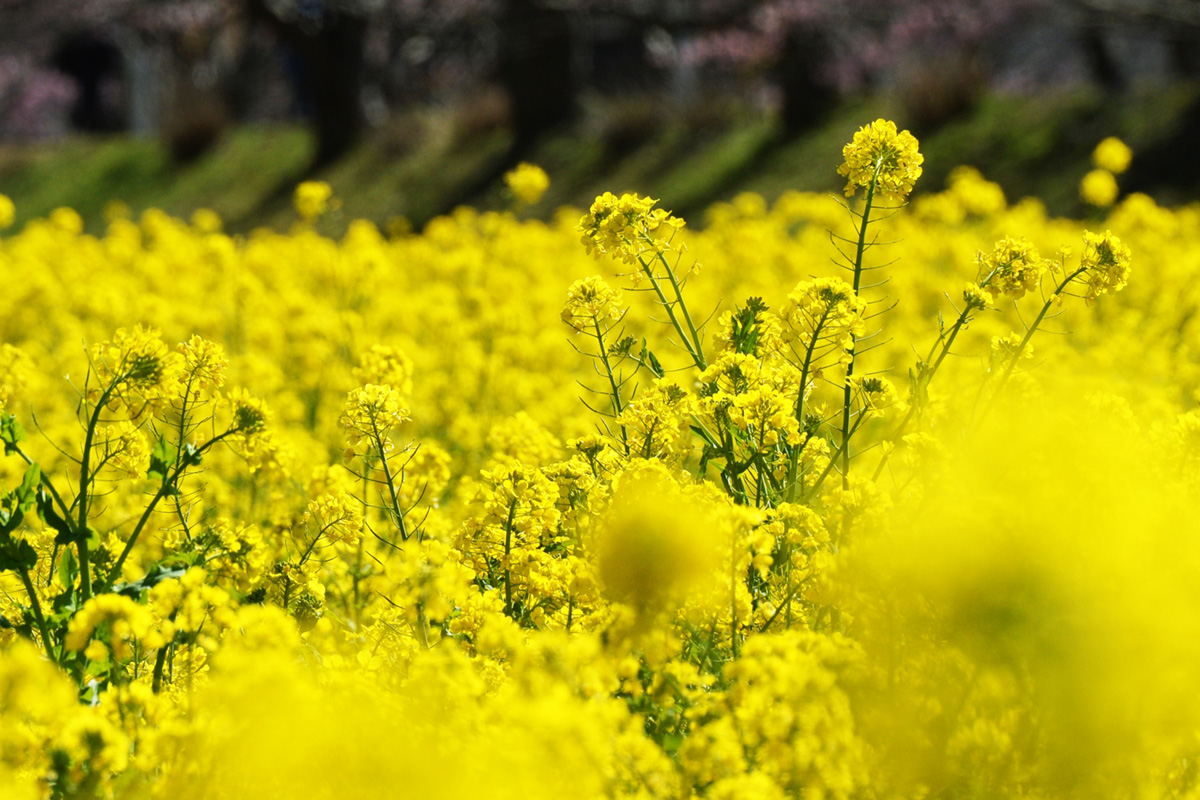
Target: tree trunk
(536, 69)
(807, 98)
(331, 58)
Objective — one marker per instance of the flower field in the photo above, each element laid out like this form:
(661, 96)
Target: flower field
(830, 498)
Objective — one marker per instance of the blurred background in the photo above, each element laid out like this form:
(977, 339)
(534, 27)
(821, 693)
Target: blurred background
(411, 107)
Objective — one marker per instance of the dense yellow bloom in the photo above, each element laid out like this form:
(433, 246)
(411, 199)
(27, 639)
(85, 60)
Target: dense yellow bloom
(333, 518)
(824, 310)
(591, 304)
(879, 155)
(656, 421)
(1012, 268)
(370, 415)
(527, 182)
(124, 446)
(135, 368)
(627, 227)
(1107, 261)
(679, 594)
(875, 394)
(975, 194)
(1099, 188)
(8, 212)
(976, 297)
(1113, 155)
(386, 366)
(312, 199)
(659, 542)
(204, 363)
(126, 620)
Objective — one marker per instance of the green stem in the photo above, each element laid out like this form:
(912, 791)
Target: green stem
(1029, 335)
(794, 460)
(947, 342)
(858, 270)
(687, 316)
(36, 605)
(85, 568)
(391, 484)
(692, 349)
(167, 486)
(160, 662)
(508, 523)
(612, 382)
(816, 487)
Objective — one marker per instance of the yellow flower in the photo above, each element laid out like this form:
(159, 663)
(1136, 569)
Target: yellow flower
(1113, 155)
(976, 297)
(337, 517)
(823, 310)
(527, 182)
(658, 541)
(370, 415)
(880, 155)
(8, 212)
(126, 620)
(312, 199)
(1098, 188)
(589, 302)
(1012, 268)
(627, 226)
(386, 366)
(1107, 262)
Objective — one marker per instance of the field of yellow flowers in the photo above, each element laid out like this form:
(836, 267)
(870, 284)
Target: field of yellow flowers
(837, 498)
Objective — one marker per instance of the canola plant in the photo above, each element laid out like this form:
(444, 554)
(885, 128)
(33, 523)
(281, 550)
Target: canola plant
(889, 500)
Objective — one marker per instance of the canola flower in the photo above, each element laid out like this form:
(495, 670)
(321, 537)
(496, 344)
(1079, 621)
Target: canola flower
(1099, 188)
(527, 182)
(727, 534)
(312, 199)
(1112, 155)
(879, 156)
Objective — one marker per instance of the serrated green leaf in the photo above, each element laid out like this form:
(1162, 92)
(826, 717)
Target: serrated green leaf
(17, 555)
(64, 534)
(156, 575)
(10, 520)
(68, 568)
(27, 491)
(11, 433)
(161, 460)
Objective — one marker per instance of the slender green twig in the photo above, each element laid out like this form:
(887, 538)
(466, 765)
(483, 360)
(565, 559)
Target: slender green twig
(864, 221)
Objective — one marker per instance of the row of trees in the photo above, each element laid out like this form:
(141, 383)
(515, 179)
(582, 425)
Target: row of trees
(350, 61)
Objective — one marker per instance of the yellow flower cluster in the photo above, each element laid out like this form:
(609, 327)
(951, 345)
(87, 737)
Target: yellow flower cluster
(1107, 262)
(628, 227)
(591, 304)
(1011, 268)
(527, 182)
(749, 540)
(312, 199)
(372, 412)
(881, 159)
(1099, 186)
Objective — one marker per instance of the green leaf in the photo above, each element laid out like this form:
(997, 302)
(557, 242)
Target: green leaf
(157, 574)
(655, 366)
(9, 520)
(68, 569)
(191, 455)
(161, 460)
(17, 555)
(45, 506)
(11, 433)
(27, 491)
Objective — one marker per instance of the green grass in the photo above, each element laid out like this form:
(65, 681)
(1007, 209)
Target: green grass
(1032, 146)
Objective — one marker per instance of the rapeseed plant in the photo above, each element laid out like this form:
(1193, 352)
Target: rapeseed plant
(386, 545)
